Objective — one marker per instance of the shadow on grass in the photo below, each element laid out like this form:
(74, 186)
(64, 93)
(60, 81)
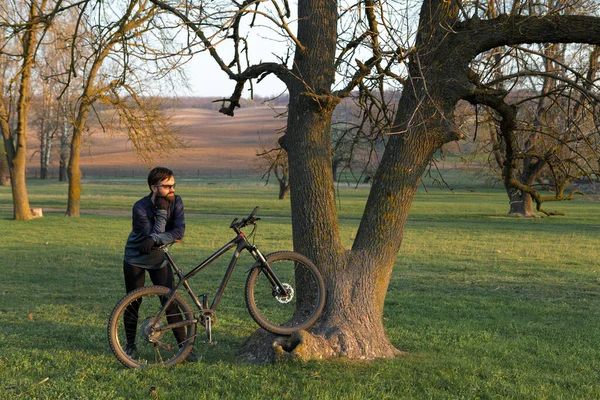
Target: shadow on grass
(44, 336)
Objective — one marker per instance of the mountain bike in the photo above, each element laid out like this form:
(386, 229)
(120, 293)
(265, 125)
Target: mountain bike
(284, 293)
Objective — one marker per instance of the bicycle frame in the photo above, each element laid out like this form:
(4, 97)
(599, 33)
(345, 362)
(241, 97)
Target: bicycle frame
(240, 243)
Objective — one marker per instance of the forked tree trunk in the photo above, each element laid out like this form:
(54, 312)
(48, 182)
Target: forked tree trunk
(357, 279)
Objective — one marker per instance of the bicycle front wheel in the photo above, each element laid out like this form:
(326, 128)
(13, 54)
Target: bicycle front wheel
(139, 339)
(294, 311)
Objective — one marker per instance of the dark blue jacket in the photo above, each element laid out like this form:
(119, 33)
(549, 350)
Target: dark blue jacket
(164, 226)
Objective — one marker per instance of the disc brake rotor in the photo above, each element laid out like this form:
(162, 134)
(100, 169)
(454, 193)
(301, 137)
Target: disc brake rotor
(289, 294)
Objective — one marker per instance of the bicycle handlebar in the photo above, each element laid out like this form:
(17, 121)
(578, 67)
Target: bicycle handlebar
(249, 220)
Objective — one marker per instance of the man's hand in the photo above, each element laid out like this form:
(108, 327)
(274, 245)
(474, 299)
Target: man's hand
(147, 245)
(162, 203)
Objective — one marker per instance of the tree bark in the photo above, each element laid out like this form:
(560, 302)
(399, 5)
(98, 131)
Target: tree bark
(64, 154)
(521, 203)
(16, 142)
(45, 149)
(284, 190)
(73, 169)
(4, 171)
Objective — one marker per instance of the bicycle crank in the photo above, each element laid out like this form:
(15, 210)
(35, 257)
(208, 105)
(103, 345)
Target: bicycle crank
(208, 320)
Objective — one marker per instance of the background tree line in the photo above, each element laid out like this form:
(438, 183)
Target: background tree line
(61, 61)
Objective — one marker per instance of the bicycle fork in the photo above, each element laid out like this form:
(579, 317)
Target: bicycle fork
(279, 288)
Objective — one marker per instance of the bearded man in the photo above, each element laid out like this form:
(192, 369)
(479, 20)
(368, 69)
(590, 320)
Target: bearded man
(157, 219)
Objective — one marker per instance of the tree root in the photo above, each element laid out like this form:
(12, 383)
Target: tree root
(265, 347)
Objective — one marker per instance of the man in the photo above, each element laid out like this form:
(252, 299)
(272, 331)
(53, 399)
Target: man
(157, 219)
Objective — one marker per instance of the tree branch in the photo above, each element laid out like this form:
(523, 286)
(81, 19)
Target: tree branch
(258, 71)
(505, 30)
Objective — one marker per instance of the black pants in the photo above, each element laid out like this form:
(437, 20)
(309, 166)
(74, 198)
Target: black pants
(134, 279)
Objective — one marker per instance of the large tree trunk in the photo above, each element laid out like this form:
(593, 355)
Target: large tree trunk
(16, 149)
(21, 208)
(16, 162)
(351, 323)
(356, 280)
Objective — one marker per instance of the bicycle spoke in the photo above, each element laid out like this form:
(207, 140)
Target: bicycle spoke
(166, 340)
(302, 302)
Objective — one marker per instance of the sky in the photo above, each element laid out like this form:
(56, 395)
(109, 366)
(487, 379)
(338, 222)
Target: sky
(207, 80)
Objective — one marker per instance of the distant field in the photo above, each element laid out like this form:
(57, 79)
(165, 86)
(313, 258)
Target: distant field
(215, 144)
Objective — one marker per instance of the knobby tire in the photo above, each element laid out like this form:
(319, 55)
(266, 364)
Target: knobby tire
(284, 316)
(163, 348)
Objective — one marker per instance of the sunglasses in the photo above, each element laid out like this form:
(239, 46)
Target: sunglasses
(168, 187)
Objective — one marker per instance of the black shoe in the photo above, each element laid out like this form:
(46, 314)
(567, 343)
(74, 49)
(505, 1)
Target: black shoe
(192, 357)
(131, 350)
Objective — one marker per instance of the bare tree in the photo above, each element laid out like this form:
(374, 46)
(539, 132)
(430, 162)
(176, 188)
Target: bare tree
(21, 25)
(438, 74)
(45, 118)
(273, 160)
(360, 130)
(106, 44)
(54, 112)
(554, 130)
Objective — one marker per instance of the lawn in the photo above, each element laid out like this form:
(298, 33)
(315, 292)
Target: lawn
(485, 306)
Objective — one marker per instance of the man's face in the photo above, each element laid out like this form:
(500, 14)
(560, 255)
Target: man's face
(165, 188)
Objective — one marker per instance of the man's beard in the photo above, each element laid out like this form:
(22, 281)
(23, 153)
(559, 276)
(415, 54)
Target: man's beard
(170, 197)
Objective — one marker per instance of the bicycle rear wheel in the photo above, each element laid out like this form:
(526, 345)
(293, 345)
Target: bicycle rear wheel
(137, 338)
(300, 308)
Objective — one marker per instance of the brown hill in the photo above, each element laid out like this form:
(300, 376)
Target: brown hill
(215, 144)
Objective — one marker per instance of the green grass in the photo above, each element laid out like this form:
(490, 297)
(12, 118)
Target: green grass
(485, 306)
